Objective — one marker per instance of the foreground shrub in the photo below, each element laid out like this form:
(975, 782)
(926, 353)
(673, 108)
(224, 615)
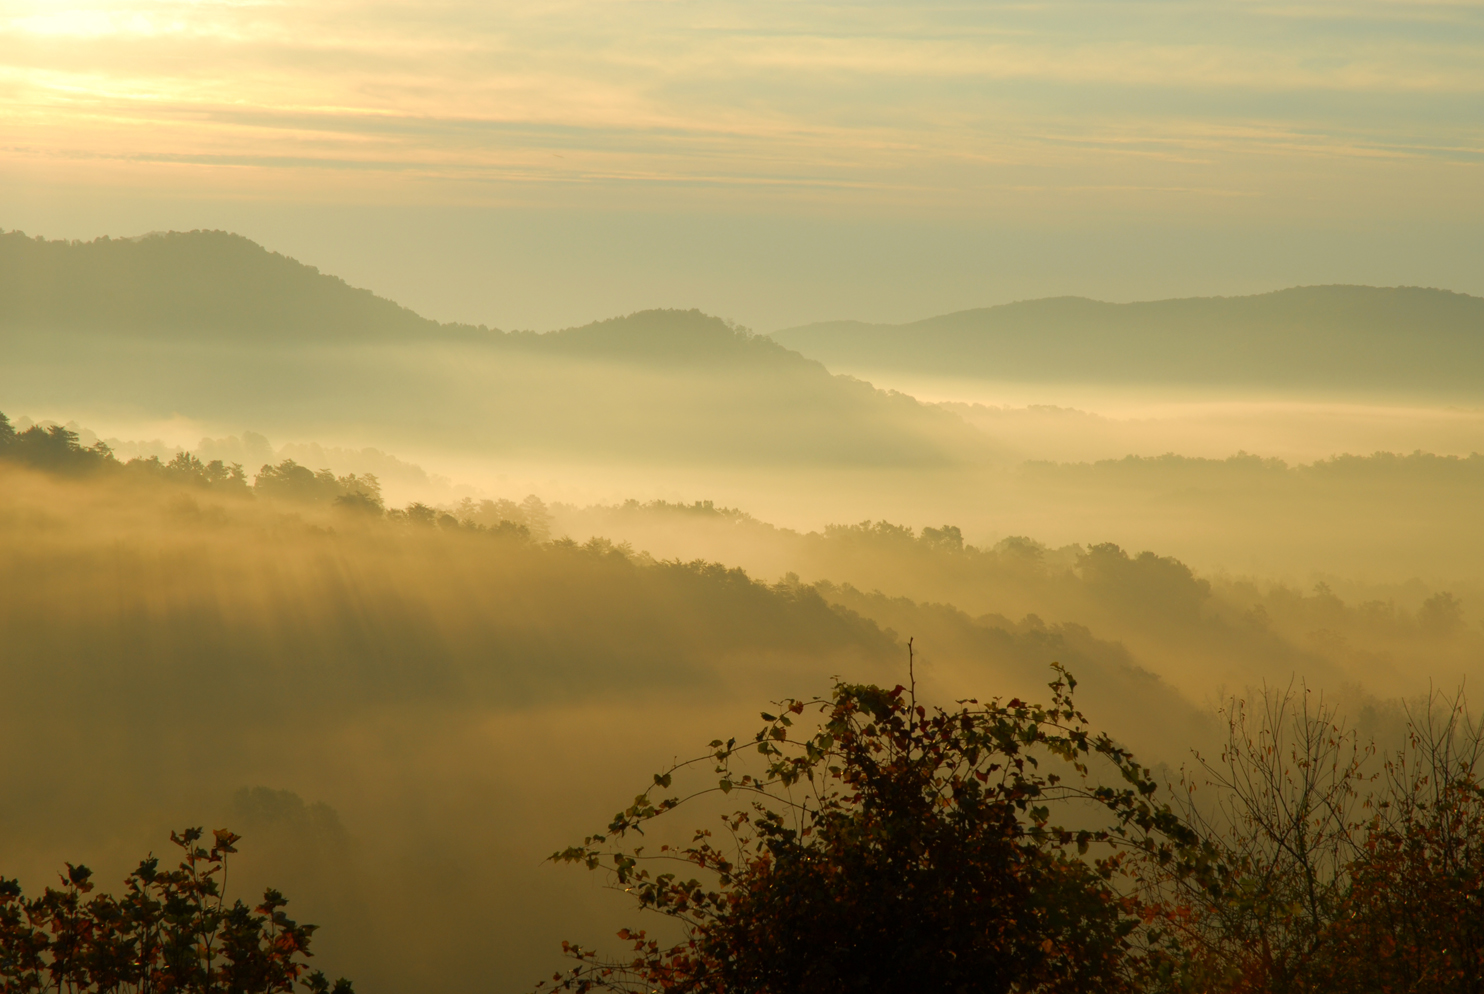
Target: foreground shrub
(1341, 869)
(171, 931)
(896, 848)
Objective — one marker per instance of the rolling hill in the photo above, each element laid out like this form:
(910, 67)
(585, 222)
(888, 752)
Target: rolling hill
(1330, 338)
(198, 285)
(212, 327)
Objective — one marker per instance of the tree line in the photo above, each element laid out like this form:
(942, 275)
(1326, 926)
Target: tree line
(57, 449)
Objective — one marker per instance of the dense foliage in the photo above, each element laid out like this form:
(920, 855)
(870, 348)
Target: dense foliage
(898, 848)
(53, 448)
(171, 931)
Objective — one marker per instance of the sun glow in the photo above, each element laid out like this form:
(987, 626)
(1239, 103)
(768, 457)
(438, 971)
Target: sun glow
(896, 104)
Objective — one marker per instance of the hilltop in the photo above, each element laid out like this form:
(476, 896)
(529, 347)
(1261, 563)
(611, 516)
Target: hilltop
(197, 284)
(221, 288)
(1324, 337)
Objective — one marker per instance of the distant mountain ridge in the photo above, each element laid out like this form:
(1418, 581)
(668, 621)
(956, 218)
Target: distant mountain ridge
(662, 337)
(1315, 337)
(210, 325)
(208, 284)
(221, 288)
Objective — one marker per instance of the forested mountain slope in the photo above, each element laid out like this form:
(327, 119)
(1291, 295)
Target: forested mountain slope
(214, 286)
(214, 328)
(1325, 337)
(422, 682)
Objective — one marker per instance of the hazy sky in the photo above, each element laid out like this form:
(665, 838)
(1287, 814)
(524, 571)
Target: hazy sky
(538, 164)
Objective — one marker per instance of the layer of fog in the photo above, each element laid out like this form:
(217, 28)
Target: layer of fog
(404, 720)
(1083, 422)
(401, 482)
(1289, 430)
(1197, 630)
(1376, 519)
(495, 401)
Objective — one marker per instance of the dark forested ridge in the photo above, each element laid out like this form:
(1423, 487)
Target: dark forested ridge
(1329, 337)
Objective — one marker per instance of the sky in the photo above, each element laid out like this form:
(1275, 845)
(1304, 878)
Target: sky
(536, 165)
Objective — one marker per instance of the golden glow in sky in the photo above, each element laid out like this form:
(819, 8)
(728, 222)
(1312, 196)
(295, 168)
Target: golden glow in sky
(1228, 106)
(1236, 122)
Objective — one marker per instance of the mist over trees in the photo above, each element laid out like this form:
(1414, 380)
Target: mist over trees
(57, 448)
(668, 402)
(278, 634)
(1000, 599)
(53, 448)
(1163, 613)
(323, 646)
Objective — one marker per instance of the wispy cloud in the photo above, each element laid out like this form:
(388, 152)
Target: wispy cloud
(914, 99)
